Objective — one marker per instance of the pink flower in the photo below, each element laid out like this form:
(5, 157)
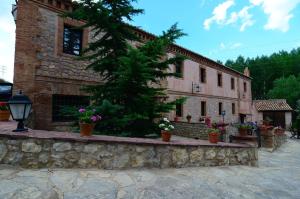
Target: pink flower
(94, 118)
(82, 110)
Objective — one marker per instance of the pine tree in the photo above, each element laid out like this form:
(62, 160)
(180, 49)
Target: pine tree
(132, 76)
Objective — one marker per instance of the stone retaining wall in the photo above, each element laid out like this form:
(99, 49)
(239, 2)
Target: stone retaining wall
(272, 140)
(44, 149)
(190, 130)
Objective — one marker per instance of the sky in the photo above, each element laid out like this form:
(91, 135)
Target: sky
(217, 29)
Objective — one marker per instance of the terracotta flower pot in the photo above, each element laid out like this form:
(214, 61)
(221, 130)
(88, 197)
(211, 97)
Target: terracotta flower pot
(213, 137)
(176, 119)
(86, 129)
(4, 115)
(243, 132)
(166, 136)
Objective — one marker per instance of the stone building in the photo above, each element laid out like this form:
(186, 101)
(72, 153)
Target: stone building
(45, 69)
(277, 110)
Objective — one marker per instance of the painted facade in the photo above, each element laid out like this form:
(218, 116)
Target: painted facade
(45, 73)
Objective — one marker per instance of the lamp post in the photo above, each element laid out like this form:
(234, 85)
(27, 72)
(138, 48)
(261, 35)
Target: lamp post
(223, 115)
(20, 106)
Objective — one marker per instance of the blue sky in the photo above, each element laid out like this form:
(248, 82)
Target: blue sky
(218, 29)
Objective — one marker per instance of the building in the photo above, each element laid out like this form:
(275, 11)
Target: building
(278, 110)
(45, 69)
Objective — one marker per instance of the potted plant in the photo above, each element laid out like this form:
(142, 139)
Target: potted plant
(213, 135)
(87, 121)
(176, 118)
(267, 121)
(243, 129)
(165, 127)
(4, 112)
(189, 117)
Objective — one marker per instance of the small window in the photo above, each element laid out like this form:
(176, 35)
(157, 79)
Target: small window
(220, 80)
(220, 108)
(179, 69)
(58, 4)
(245, 87)
(233, 108)
(60, 101)
(72, 42)
(202, 75)
(179, 110)
(203, 108)
(232, 84)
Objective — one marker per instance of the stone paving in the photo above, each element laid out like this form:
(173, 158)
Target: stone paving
(278, 176)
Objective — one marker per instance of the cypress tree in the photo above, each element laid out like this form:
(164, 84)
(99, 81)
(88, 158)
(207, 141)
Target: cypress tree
(131, 97)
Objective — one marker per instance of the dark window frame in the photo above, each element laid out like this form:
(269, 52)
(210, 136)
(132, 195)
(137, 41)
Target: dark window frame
(69, 45)
(179, 110)
(59, 101)
(232, 83)
(203, 108)
(245, 87)
(220, 108)
(220, 79)
(202, 75)
(179, 69)
(233, 109)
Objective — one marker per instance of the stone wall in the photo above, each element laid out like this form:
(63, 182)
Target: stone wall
(68, 150)
(272, 140)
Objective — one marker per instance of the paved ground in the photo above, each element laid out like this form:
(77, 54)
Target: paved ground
(278, 176)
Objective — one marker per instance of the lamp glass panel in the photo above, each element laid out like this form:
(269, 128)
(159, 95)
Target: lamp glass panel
(17, 111)
(27, 110)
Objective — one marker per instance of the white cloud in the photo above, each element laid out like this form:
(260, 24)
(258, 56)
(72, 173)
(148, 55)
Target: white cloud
(7, 46)
(7, 25)
(219, 14)
(244, 16)
(278, 11)
(235, 45)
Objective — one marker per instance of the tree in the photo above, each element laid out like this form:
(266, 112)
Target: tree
(132, 76)
(265, 69)
(286, 88)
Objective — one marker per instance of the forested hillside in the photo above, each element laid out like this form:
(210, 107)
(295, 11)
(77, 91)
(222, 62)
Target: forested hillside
(274, 76)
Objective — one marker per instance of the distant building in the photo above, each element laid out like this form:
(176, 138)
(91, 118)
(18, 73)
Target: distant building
(278, 110)
(46, 71)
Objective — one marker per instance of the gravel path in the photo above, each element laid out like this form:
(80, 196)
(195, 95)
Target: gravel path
(278, 176)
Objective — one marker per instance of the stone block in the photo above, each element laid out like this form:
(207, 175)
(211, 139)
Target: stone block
(31, 147)
(196, 155)
(210, 154)
(62, 146)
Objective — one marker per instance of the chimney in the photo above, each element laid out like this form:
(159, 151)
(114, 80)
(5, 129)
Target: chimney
(247, 72)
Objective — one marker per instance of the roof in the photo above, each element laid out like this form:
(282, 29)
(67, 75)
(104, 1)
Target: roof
(174, 47)
(272, 105)
(190, 53)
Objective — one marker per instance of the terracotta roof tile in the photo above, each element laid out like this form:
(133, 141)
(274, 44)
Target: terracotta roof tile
(272, 105)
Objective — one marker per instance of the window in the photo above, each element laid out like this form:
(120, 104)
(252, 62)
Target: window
(179, 110)
(72, 41)
(60, 101)
(245, 87)
(202, 75)
(179, 69)
(220, 81)
(232, 84)
(203, 108)
(220, 108)
(233, 108)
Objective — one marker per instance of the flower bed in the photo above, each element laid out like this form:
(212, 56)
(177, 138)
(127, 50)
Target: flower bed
(44, 149)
